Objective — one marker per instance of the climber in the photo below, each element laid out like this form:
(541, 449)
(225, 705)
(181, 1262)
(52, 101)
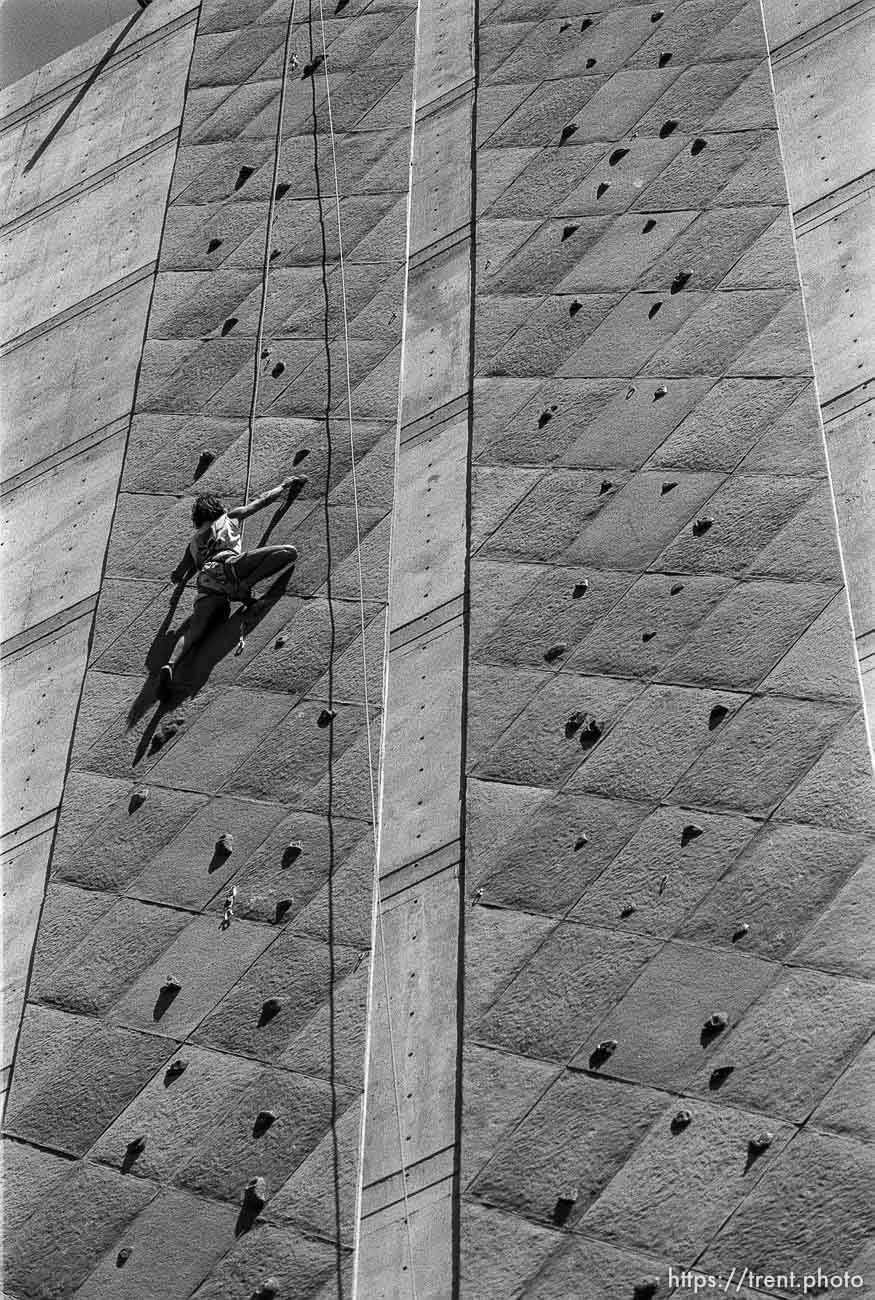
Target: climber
(224, 570)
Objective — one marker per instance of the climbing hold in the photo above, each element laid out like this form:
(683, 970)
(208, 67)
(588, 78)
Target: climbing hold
(270, 1008)
(567, 132)
(630, 391)
(656, 15)
(590, 63)
(762, 1141)
(292, 852)
(278, 369)
(602, 1051)
(476, 897)
(605, 486)
(667, 127)
(229, 325)
(263, 1121)
(265, 354)
(628, 909)
(602, 189)
(326, 717)
(214, 244)
(136, 1146)
(719, 1075)
(275, 253)
(239, 647)
(564, 28)
(664, 59)
(205, 460)
(567, 232)
(171, 985)
(646, 1289)
(590, 732)
(574, 308)
(575, 721)
(587, 22)
(123, 1256)
(280, 642)
(544, 418)
(312, 67)
(681, 1119)
(281, 190)
(657, 306)
(663, 881)
(255, 1193)
(701, 526)
(340, 6)
(243, 176)
(282, 907)
(564, 1205)
(555, 651)
(580, 842)
(174, 1070)
(269, 1288)
(301, 454)
(579, 589)
(617, 156)
(166, 733)
(740, 931)
(716, 716)
(679, 281)
(138, 798)
(648, 226)
(690, 832)
(698, 145)
(676, 589)
(659, 392)
(717, 1021)
(647, 636)
(225, 844)
(668, 486)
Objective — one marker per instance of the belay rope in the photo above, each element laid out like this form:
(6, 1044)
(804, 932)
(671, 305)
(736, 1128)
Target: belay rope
(290, 63)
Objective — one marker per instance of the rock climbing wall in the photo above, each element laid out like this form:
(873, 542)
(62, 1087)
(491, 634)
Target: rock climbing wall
(87, 145)
(821, 52)
(169, 1057)
(669, 793)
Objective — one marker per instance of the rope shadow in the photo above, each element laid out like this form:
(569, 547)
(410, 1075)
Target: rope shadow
(82, 92)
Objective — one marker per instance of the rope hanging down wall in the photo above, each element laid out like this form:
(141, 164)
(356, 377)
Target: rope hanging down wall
(289, 65)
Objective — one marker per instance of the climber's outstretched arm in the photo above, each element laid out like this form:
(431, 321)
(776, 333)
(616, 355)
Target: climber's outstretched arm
(251, 508)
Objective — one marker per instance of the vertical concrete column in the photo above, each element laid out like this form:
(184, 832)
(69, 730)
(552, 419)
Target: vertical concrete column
(410, 1166)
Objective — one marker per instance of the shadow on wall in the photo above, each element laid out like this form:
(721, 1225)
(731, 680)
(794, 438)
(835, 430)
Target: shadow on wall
(224, 637)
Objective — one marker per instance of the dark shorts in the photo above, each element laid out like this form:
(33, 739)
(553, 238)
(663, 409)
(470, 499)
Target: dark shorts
(219, 578)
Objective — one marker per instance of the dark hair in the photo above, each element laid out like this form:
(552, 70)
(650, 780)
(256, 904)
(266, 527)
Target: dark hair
(205, 510)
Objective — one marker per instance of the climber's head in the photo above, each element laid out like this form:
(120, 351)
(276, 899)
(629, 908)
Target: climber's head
(205, 510)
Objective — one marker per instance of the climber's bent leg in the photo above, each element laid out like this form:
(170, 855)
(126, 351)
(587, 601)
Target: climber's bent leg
(254, 566)
(208, 605)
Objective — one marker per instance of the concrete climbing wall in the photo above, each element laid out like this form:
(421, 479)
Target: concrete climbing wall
(86, 148)
(822, 54)
(670, 812)
(165, 1060)
(409, 1205)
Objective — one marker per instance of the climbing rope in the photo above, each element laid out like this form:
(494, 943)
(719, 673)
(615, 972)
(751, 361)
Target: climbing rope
(288, 57)
(253, 407)
(361, 585)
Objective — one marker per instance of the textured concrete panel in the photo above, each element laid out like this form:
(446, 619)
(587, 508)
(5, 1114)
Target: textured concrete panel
(686, 1181)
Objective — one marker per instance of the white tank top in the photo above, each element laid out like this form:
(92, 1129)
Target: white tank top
(218, 540)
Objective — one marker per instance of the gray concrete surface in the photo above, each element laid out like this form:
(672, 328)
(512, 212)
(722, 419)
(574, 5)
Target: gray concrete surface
(81, 222)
